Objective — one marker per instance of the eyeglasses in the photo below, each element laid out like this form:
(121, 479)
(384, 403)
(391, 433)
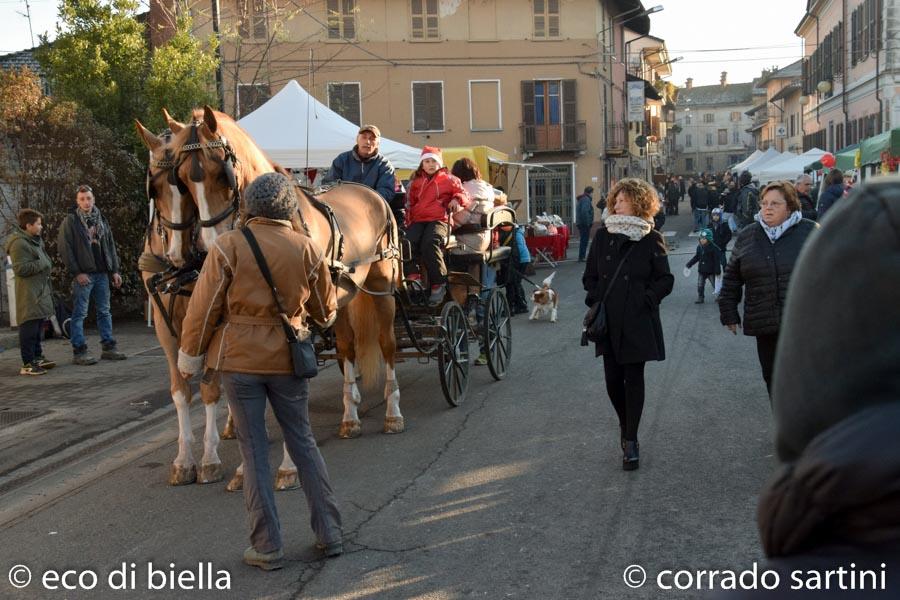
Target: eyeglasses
(772, 204)
(83, 189)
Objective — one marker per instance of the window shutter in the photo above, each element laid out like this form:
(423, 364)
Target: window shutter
(351, 103)
(420, 106)
(528, 102)
(435, 106)
(570, 101)
(874, 22)
(804, 66)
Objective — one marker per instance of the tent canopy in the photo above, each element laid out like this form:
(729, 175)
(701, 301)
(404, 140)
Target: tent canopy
(789, 166)
(297, 131)
(846, 158)
(770, 156)
(743, 164)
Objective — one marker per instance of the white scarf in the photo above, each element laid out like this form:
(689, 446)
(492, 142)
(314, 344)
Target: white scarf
(634, 228)
(776, 232)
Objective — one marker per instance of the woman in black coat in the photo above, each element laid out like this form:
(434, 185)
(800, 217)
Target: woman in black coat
(762, 260)
(832, 193)
(632, 306)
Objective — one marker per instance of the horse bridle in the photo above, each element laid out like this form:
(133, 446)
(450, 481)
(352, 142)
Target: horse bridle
(229, 164)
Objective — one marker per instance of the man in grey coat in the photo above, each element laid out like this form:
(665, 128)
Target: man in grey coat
(88, 251)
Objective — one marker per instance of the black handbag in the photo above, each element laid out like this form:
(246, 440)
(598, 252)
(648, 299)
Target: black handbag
(303, 353)
(594, 327)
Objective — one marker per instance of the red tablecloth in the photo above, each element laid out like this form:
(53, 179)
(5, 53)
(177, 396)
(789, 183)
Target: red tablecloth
(554, 245)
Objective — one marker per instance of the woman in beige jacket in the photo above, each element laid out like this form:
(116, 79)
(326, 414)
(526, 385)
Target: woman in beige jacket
(232, 326)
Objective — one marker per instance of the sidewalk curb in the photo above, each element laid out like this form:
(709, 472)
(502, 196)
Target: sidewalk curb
(57, 460)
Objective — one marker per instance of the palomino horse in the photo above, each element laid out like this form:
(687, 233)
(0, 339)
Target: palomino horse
(166, 265)
(217, 159)
(169, 245)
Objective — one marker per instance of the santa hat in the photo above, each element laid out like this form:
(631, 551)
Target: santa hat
(432, 152)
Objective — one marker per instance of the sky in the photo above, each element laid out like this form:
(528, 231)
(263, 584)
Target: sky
(738, 36)
(705, 32)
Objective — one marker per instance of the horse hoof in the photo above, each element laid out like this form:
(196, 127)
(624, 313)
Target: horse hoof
(211, 473)
(228, 433)
(350, 429)
(236, 484)
(393, 425)
(287, 480)
(182, 475)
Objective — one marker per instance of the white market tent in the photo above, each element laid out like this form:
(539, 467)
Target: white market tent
(790, 167)
(280, 128)
(743, 164)
(760, 159)
(771, 156)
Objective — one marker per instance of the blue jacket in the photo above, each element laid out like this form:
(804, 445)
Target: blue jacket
(376, 172)
(584, 213)
(829, 196)
(524, 255)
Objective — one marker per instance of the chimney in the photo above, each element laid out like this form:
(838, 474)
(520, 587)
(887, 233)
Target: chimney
(689, 83)
(724, 79)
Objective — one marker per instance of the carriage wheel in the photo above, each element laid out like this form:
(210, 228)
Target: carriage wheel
(453, 354)
(497, 334)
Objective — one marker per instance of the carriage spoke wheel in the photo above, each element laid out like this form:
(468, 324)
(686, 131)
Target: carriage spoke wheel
(453, 354)
(497, 334)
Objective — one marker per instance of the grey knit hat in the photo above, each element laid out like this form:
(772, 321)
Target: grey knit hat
(271, 195)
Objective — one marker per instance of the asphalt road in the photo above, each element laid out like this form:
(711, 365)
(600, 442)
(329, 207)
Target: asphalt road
(519, 493)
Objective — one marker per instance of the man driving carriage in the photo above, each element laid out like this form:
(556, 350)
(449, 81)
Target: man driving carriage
(365, 164)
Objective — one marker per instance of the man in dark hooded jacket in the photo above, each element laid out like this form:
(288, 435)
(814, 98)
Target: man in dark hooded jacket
(747, 200)
(834, 502)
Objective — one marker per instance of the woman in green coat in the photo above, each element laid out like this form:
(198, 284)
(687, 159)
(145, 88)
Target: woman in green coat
(34, 297)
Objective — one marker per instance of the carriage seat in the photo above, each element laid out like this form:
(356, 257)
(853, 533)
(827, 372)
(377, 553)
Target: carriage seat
(462, 252)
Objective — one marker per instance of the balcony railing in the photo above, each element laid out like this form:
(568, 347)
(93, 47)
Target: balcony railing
(616, 134)
(564, 137)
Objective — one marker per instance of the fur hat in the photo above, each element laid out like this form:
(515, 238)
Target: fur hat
(271, 195)
(432, 152)
(717, 211)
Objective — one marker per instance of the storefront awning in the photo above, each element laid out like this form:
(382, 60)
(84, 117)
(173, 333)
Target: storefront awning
(872, 148)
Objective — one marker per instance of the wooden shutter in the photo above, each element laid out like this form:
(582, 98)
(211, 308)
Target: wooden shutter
(569, 101)
(436, 106)
(552, 18)
(528, 102)
(874, 22)
(428, 109)
(349, 19)
(334, 19)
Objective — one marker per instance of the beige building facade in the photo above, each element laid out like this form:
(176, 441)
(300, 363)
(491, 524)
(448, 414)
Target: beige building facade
(540, 80)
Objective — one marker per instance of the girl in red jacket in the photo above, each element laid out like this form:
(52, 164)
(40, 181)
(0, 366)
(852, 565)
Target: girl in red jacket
(432, 192)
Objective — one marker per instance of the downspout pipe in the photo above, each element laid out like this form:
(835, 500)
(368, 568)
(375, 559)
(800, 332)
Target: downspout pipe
(844, 68)
(879, 19)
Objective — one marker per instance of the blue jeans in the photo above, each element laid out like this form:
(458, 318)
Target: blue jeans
(701, 218)
(289, 396)
(98, 290)
(585, 233)
(488, 282)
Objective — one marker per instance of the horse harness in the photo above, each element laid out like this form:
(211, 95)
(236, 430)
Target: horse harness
(229, 164)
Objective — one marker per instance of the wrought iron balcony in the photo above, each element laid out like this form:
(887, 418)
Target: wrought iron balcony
(564, 137)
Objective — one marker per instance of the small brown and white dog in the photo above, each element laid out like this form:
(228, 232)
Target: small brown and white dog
(545, 300)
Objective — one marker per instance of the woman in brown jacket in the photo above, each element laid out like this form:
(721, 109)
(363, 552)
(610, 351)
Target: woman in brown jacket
(232, 326)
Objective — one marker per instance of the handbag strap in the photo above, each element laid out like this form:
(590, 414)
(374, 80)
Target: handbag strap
(616, 274)
(267, 275)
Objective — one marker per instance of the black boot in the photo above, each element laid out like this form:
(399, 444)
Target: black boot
(630, 458)
(699, 300)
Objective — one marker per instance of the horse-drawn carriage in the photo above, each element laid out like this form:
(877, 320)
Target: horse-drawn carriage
(194, 183)
(443, 332)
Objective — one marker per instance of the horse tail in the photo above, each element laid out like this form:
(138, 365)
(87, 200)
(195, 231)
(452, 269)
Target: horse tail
(364, 321)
